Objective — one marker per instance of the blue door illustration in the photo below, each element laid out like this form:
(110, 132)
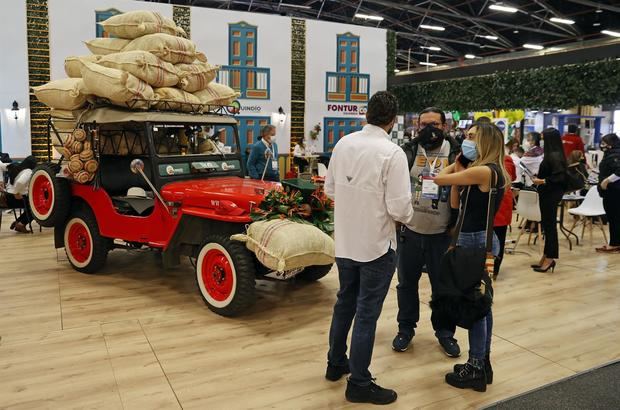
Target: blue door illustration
(336, 128)
(102, 15)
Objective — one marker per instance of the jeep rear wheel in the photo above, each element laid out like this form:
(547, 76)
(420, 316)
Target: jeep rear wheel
(225, 275)
(49, 196)
(313, 273)
(86, 249)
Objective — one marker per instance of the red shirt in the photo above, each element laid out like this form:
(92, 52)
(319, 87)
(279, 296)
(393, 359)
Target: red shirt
(572, 142)
(503, 217)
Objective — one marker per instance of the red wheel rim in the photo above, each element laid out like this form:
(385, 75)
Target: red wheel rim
(217, 275)
(79, 242)
(42, 195)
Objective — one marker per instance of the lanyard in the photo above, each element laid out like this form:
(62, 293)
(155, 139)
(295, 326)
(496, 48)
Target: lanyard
(434, 163)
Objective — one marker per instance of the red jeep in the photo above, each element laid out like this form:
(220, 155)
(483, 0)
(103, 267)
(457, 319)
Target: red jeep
(168, 181)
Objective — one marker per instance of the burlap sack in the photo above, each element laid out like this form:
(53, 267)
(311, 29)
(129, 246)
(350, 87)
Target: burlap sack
(104, 46)
(73, 65)
(64, 123)
(173, 49)
(271, 243)
(217, 94)
(120, 87)
(144, 65)
(195, 77)
(136, 24)
(66, 94)
(170, 99)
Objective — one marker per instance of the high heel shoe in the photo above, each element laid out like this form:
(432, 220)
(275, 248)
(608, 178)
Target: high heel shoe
(551, 266)
(535, 266)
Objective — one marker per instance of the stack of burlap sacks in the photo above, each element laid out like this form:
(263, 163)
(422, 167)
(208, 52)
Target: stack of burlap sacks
(148, 62)
(148, 65)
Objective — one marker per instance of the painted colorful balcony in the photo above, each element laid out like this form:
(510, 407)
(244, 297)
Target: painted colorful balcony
(347, 87)
(251, 82)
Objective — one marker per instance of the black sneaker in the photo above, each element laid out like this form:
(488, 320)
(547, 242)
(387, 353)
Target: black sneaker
(468, 377)
(372, 393)
(450, 346)
(335, 373)
(488, 370)
(401, 342)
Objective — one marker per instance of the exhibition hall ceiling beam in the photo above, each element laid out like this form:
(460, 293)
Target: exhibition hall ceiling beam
(462, 17)
(489, 30)
(596, 5)
(556, 13)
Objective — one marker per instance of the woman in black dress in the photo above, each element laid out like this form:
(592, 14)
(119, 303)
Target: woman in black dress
(551, 183)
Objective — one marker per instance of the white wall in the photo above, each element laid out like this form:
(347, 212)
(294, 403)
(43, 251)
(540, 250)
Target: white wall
(71, 22)
(321, 50)
(14, 80)
(210, 33)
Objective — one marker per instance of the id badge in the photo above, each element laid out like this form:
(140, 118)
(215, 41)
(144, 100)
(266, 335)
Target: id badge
(430, 190)
(274, 164)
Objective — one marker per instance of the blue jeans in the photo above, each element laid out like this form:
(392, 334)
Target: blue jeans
(363, 287)
(482, 330)
(414, 251)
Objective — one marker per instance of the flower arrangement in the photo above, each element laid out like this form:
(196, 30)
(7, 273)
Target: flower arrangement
(317, 209)
(316, 130)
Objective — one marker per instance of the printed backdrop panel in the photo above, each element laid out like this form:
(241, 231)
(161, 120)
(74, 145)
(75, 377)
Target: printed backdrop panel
(345, 65)
(254, 51)
(71, 22)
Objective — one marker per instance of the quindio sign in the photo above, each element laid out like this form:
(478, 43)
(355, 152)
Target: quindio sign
(251, 108)
(347, 109)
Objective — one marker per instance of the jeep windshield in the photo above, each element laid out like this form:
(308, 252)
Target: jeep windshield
(194, 140)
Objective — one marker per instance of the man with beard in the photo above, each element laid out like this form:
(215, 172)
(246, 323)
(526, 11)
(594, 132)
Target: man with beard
(425, 239)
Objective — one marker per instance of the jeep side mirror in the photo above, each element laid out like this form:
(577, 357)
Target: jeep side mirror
(137, 167)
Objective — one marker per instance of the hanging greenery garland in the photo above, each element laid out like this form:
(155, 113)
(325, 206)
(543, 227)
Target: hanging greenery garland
(592, 83)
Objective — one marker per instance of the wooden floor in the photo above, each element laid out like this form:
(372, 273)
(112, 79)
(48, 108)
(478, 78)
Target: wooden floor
(138, 337)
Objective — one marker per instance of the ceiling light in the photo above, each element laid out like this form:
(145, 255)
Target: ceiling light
(428, 64)
(596, 24)
(433, 48)
(546, 112)
(611, 33)
(499, 7)
(429, 27)
(516, 31)
(563, 21)
(368, 17)
(598, 11)
(295, 6)
(533, 46)
(491, 37)
(470, 56)
(396, 70)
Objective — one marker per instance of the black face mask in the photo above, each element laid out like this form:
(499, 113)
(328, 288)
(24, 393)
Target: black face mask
(430, 138)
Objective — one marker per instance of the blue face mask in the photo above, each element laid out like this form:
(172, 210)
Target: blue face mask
(469, 150)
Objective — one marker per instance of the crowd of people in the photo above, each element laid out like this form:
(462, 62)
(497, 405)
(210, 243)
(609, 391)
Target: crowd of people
(423, 207)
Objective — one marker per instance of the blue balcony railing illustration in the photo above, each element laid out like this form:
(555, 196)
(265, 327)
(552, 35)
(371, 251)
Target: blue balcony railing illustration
(251, 82)
(347, 87)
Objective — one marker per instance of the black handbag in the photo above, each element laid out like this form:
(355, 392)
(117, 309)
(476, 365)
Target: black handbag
(464, 293)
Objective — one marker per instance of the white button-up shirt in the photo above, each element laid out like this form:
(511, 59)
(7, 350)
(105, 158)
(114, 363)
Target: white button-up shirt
(20, 185)
(368, 179)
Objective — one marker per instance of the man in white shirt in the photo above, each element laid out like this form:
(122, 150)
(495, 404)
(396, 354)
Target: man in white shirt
(16, 191)
(368, 178)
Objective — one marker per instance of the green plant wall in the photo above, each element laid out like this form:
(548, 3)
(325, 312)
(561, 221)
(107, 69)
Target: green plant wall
(566, 86)
(391, 53)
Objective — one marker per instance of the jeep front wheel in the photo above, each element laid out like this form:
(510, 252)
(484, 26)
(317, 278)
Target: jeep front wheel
(225, 275)
(313, 273)
(86, 249)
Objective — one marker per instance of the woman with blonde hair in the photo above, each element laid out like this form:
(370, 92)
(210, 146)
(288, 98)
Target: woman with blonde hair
(478, 181)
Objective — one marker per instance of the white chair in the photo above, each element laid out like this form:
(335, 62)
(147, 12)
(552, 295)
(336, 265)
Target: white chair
(321, 169)
(529, 210)
(590, 209)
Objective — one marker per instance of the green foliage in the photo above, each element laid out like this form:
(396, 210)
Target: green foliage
(317, 210)
(391, 53)
(592, 83)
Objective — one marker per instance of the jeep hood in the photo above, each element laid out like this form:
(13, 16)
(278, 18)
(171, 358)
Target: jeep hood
(209, 193)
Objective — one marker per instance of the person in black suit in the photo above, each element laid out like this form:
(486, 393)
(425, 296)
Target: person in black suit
(551, 183)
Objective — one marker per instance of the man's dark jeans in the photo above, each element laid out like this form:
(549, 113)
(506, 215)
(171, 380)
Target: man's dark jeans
(414, 251)
(363, 287)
